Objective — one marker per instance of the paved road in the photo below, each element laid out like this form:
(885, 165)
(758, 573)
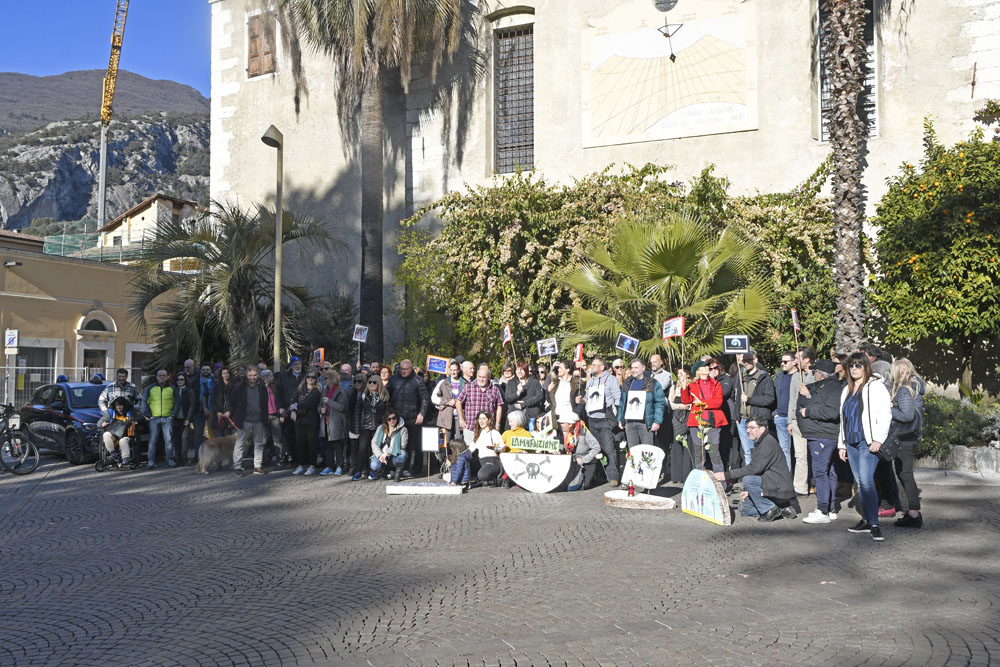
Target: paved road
(171, 568)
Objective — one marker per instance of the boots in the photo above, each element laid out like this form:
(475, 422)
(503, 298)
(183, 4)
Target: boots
(399, 474)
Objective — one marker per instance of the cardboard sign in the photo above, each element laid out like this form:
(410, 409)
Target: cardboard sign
(360, 333)
(437, 364)
(627, 344)
(538, 473)
(508, 336)
(578, 356)
(673, 327)
(595, 398)
(535, 444)
(735, 343)
(635, 405)
(643, 466)
(705, 498)
(547, 347)
(795, 320)
(430, 439)
(319, 356)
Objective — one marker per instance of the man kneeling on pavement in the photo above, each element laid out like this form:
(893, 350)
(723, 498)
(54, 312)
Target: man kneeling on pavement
(767, 483)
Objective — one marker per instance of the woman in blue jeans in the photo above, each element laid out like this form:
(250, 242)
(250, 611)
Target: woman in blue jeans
(866, 412)
(389, 446)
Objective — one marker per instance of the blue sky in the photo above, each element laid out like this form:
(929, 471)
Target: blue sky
(164, 39)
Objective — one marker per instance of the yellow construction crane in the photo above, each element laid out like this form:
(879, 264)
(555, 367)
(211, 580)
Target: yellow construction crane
(108, 97)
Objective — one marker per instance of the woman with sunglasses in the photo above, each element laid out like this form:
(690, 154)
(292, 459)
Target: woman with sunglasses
(389, 448)
(305, 414)
(369, 413)
(866, 413)
(680, 460)
(727, 435)
(487, 442)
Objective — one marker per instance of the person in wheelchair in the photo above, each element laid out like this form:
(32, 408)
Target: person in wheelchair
(120, 431)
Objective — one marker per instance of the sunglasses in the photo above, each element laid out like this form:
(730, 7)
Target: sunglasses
(392, 419)
(373, 384)
(310, 377)
(856, 365)
(787, 361)
(617, 368)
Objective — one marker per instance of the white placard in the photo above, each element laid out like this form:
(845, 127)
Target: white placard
(547, 347)
(360, 333)
(635, 405)
(595, 398)
(429, 439)
(735, 343)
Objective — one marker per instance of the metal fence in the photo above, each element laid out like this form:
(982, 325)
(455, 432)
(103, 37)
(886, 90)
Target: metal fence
(19, 383)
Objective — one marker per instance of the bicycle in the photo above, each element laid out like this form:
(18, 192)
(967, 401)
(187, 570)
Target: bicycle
(17, 454)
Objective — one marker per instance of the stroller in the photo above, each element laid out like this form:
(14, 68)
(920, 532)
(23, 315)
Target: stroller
(122, 427)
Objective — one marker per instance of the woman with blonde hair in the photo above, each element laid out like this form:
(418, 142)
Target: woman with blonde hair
(907, 420)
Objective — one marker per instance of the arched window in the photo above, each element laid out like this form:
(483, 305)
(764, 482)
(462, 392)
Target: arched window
(95, 325)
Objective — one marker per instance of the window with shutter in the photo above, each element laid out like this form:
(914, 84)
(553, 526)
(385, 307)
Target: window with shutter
(253, 46)
(261, 41)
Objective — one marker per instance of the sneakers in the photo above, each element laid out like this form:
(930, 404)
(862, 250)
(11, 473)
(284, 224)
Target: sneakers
(372, 477)
(860, 527)
(260, 471)
(406, 474)
(356, 476)
(818, 517)
(311, 470)
(299, 470)
(833, 516)
(171, 463)
(909, 522)
(890, 512)
(612, 482)
(327, 471)
(877, 534)
(338, 471)
(126, 462)
(150, 465)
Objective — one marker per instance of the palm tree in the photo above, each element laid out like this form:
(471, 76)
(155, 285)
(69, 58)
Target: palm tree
(369, 39)
(221, 281)
(845, 55)
(650, 271)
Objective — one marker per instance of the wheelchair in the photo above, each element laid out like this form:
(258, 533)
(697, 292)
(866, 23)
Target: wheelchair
(113, 460)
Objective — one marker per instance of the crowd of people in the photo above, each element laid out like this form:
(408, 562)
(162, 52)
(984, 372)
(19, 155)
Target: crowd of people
(814, 426)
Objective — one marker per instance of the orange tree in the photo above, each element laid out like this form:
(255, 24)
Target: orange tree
(937, 272)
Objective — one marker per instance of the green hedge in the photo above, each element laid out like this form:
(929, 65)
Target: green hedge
(949, 422)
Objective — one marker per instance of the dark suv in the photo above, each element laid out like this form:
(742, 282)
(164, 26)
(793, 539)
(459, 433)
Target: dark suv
(64, 417)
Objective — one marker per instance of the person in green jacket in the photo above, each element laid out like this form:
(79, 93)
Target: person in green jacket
(158, 405)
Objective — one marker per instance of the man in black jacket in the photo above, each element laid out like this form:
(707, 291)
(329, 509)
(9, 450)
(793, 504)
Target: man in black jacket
(755, 399)
(286, 384)
(410, 400)
(248, 402)
(767, 483)
(819, 422)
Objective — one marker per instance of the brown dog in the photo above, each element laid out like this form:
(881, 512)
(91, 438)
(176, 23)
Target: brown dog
(215, 452)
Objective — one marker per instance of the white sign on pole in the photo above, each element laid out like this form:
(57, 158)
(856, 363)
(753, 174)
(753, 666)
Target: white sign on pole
(11, 338)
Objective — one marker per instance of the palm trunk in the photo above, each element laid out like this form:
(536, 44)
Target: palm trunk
(372, 214)
(844, 53)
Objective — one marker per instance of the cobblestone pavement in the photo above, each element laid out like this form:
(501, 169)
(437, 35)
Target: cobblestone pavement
(168, 567)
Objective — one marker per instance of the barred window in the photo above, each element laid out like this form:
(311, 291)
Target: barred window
(514, 99)
(260, 44)
(868, 102)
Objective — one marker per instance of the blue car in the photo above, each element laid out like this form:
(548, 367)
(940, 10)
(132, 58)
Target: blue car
(64, 417)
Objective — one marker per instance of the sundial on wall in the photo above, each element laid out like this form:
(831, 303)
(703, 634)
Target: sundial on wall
(669, 29)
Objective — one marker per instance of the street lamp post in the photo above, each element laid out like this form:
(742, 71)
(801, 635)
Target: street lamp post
(274, 139)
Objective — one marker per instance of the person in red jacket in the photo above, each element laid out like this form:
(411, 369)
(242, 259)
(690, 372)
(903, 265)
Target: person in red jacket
(704, 394)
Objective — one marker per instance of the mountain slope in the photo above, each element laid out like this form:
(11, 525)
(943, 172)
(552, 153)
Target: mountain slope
(52, 172)
(28, 102)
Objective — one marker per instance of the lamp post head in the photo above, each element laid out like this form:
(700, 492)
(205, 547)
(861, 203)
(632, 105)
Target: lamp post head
(273, 137)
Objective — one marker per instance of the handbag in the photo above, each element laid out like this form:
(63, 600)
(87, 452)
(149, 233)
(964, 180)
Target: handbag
(890, 448)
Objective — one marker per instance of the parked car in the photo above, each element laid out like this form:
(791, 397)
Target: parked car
(64, 417)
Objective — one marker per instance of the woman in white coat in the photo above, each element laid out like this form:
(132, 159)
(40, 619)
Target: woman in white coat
(866, 413)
